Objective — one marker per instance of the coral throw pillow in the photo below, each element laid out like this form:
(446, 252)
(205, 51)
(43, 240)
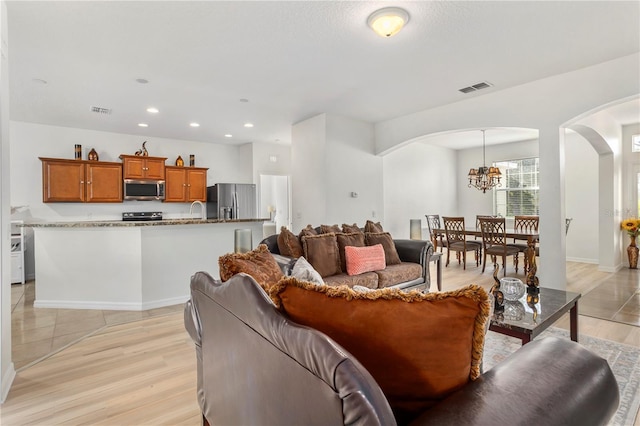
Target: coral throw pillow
(364, 259)
(258, 263)
(418, 347)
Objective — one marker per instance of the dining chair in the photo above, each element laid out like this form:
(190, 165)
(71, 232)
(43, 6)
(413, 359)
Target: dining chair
(457, 240)
(433, 222)
(494, 241)
(524, 223)
(478, 217)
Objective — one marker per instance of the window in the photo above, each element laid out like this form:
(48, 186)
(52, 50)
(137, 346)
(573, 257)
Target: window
(635, 143)
(518, 194)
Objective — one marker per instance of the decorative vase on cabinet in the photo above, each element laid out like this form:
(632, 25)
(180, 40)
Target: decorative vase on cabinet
(632, 252)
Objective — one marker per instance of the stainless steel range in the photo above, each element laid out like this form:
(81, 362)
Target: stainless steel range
(141, 216)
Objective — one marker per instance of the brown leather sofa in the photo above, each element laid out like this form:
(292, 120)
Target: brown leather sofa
(257, 367)
(412, 274)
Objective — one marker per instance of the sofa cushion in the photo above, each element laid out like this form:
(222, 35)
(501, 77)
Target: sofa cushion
(418, 347)
(322, 253)
(364, 259)
(309, 230)
(325, 229)
(370, 226)
(348, 229)
(258, 263)
(384, 238)
(367, 279)
(289, 243)
(399, 273)
(303, 270)
(355, 239)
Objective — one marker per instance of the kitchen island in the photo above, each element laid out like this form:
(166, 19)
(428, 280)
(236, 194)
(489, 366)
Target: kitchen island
(124, 265)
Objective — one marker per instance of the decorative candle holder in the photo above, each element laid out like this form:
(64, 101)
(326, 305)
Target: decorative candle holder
(77, 149)
(242, 240)
(192, 160)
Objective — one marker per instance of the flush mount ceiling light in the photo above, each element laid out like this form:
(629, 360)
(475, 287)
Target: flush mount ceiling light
(143, 125)
(194, 124)
(248, 124)
(153, 110)
(228, 135)
(388, 21)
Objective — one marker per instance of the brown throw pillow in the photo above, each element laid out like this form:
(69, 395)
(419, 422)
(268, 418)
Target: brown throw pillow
(258, 263)
(309, 230)
(384, 238)
(289, 243)
(372, 227)
(418, 347)
(322, 253)
(355, 239)
(325, 229)
(348, 229)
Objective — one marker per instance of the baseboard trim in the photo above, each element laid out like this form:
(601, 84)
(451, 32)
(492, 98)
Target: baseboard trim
(582, 260)
(7, 380)
(609, 268)
(109, 306)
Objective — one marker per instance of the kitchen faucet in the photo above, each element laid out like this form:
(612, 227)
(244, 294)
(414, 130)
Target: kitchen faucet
(203, 209)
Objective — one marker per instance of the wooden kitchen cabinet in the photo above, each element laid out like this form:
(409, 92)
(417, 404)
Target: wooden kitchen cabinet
(185, 184)
(78, 181)
(142, 167)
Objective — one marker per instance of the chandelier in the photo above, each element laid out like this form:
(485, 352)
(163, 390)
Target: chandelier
(484, 177)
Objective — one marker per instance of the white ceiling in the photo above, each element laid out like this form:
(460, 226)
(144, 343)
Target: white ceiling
(290, 59)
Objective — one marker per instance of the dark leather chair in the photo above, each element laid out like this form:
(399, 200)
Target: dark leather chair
(257, 367)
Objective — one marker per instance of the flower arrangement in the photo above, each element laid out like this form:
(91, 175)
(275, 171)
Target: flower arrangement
(632, 226)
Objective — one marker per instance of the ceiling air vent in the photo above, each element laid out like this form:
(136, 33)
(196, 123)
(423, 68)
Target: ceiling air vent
(100, 110)
(475, 87)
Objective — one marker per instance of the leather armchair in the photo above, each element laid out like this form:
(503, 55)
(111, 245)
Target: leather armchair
(256, 367)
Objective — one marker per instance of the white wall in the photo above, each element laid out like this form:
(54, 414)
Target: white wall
(581, 199)
(352, 166)
(419, 179)
(332, 157)
(7, 372)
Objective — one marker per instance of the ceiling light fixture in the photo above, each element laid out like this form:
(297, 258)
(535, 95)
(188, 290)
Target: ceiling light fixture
(248, 124)
(388, 21)
(153, 110)
(143, 125)
(194, 124)
(228, 135)
(484, 177)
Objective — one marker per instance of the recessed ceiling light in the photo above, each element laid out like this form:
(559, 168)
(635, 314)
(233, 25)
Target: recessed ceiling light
(248, 124)
(143, 125)
(153, 110)
(194, 124)
(142, 80)
(228, 135)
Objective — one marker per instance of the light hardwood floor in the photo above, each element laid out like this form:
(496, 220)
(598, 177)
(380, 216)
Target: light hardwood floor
(144, 372)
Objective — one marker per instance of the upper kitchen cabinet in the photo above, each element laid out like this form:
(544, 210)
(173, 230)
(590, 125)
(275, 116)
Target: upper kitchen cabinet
(185, 184)
(143, 167)
(79, 181)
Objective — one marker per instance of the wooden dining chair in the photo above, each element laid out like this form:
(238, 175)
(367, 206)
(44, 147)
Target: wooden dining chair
(478, 217)
(494, 241)
(524, 223)
(433, 222)
(457, 240)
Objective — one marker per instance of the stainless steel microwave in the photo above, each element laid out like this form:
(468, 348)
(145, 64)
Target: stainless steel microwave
(145, 190)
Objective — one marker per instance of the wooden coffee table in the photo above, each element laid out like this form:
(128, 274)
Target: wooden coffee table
(517, 319)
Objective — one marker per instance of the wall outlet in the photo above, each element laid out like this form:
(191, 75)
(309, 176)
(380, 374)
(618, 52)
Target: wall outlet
(373, 213)
(298, 215)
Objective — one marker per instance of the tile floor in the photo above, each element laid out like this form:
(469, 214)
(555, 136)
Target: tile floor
(616, 298)
(37, 333)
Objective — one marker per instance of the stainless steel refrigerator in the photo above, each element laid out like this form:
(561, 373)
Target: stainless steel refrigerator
(231, 201)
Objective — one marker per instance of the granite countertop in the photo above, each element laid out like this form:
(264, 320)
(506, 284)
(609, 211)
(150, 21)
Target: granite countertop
(121, 223)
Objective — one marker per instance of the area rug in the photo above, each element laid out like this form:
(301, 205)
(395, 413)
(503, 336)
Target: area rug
(624, 361)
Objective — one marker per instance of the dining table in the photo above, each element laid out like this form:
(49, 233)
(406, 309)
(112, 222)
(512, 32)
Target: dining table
(531, 237)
